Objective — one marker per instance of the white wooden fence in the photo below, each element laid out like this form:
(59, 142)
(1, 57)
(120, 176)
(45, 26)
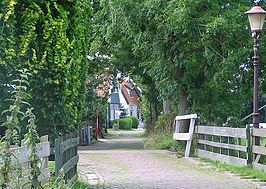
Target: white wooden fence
(225, 144)
(259, 151)
(234, 146)
(20, 155)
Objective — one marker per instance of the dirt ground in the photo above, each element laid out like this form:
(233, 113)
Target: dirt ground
(120, 162)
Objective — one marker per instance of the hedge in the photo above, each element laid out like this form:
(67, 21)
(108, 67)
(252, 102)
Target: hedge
(115, 121)
(124, 123)
(135, 121)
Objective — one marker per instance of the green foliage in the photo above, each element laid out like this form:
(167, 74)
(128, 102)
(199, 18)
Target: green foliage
(11, 175)
(95, 103)
(124, 123)
(58, 183)
(164, 123)
(135, 121)
(81, 185)
(185, 50)
(8, 51)
(32, 139)
(163, 141)
(115, 121)
(12, 127)
(51, 39)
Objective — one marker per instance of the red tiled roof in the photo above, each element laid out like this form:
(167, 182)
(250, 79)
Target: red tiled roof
(127, 88)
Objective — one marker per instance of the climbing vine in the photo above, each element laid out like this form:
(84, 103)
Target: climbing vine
(51, 39)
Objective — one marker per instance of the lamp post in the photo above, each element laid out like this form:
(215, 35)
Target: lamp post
(256, 16)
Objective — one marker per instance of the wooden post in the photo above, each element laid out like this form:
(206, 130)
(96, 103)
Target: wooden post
(248, 145)
(177, 126)
(239, 144)
(212, 148)
(220, 137)
(191, 130)
(58, 157)
(75, 152)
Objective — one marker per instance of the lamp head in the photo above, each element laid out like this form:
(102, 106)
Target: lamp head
(256, 17)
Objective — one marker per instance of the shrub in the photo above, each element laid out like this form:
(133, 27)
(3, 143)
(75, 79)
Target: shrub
(115, 121)
(135, 121)
(125, 123)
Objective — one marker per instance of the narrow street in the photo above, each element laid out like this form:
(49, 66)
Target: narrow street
(121, 162)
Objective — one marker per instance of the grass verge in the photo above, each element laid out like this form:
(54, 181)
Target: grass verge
(241, 171)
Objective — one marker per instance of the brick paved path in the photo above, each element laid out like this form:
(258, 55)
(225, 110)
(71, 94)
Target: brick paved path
(122, 163)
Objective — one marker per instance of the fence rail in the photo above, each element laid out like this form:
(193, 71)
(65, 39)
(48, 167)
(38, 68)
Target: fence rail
(66, 156)
(229, 145)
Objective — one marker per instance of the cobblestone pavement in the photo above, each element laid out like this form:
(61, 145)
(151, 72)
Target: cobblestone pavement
(130, 167)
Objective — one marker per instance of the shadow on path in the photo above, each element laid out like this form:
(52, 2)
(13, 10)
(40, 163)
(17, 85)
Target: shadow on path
(129, 140)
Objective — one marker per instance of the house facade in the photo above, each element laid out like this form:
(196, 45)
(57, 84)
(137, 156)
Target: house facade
(124, 100)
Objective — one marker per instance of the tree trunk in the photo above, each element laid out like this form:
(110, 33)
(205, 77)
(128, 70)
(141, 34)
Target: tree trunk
(156, 112)
(167, 106)
(151, 112)
(182, 109)
(182, 102)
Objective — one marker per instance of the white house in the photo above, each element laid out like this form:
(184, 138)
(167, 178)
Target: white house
(126, 96)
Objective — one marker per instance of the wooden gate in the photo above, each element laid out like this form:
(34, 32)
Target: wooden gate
(66, 156)
(20, 155)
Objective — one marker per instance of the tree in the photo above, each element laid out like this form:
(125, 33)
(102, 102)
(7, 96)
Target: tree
(192, 50)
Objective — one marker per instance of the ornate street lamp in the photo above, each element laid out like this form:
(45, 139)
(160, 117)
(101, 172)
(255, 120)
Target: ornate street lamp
(256, 16)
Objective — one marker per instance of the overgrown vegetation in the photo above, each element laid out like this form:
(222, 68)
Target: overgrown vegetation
(32, 140)
(161, 136)
(12, 132)
(11, 174)
(77, 185)
(164, 141)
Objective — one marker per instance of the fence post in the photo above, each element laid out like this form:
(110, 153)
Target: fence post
(58, 157)
(248, 144)
(86, 134)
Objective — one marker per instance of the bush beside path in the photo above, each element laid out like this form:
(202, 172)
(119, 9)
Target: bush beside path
(129, 166)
